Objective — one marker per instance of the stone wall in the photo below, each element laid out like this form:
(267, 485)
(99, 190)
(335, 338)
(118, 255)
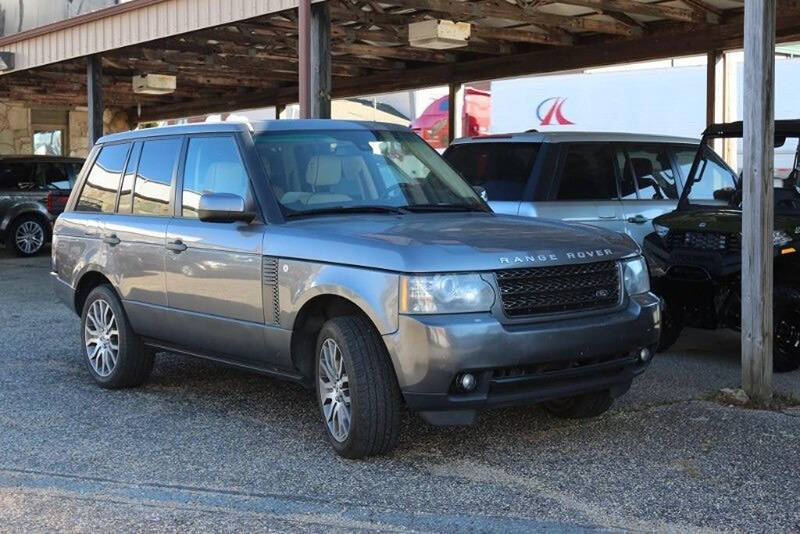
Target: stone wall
(16, 136)
(16, 132)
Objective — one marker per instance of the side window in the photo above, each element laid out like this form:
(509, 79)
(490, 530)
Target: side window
(588, 173)
(100, 191)
(55, 176)
(126, 189)
(213, 165)
(154, 176)
(649, 167)
(17, 177)
(713, 175)
(503, 169)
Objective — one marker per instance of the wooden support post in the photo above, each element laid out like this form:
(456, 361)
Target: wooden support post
(320, 78)
(304, 57)
(279, 109)
(757, 204)
(94, 96)
(455, 111)
(715, 92)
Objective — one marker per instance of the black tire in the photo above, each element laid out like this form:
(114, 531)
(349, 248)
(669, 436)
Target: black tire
(581, 406)
(786, 338)
(374, 396)
(671, 328)
(134, 361)
(15, 227)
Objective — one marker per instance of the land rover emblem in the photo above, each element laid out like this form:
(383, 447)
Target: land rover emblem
(702, 225)
(601, 293)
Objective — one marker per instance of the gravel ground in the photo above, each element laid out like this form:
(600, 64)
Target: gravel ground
(204, 447)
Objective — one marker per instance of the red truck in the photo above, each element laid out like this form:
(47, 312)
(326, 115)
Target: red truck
(432, 125)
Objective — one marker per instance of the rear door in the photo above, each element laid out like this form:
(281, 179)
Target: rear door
(135, 236)
(214, 269)
(584, 189)
(502, 169)
(649, 185)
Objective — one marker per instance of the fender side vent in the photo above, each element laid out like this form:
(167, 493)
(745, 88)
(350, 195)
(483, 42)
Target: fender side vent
(270, 277)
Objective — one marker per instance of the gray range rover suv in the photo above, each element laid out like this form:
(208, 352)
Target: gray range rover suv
(349, 257)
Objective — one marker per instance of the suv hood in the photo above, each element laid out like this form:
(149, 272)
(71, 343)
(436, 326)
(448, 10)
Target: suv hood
(713, 219)
(444, 242)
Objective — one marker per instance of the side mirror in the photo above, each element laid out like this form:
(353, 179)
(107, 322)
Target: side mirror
(481, 192)
(223, 207)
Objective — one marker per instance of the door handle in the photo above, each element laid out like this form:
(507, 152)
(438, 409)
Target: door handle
(637, 219)
(176, 246)
(607, 216)
(111, 240)
(91, 234)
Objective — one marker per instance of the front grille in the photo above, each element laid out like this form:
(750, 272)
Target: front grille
(565, 288)
(705, 241)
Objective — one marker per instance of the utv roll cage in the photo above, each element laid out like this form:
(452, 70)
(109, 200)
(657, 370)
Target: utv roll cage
(731, 130)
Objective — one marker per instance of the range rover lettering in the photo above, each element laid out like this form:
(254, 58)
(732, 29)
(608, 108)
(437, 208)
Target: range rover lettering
(351, 258)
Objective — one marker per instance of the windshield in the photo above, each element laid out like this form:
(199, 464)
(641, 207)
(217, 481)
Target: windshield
(713, 183)
(327, 171)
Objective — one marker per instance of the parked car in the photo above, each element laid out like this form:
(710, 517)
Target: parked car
(433, 124)
(695, 253)
(620, 182)
(33, 191)
(349, 257)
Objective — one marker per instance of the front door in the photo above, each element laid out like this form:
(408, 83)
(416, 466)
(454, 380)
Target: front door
(649, 186)
(214, 270)
(584, 190)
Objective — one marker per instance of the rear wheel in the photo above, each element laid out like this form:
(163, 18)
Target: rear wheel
(581, 406)
(114, 354)
(28, 236)
(786, 339)
(358, 396)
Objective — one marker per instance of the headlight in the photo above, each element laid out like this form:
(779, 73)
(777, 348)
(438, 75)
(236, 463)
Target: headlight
(635, 276)
(780, 238)
(662, 231)
(445, 293)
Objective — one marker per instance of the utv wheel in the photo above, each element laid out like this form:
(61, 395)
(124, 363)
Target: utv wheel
(27, 236)
(356, 388)
(582, 406)
(114, 354)
(786, 339)
(671, 328)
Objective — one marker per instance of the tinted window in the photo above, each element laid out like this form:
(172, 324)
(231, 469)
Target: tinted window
(712, 175)
(17, 177)
(154, 176)
(55, 176)
(648, 166)
(126, 190)
(213, 165)
(100, 191)
(502, 169)
(588, 173)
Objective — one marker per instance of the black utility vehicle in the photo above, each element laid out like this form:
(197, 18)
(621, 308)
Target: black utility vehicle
(33, 192)
(695, 253)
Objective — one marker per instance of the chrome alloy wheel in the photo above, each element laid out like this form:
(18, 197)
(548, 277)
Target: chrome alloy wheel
(29, 237)
(334, 390)
(101, 337)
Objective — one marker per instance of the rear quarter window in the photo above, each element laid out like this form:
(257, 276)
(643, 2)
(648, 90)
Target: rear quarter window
(99, 194)
(502, 169)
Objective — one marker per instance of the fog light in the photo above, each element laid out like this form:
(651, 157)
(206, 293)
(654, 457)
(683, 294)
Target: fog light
(466, 382)
(645, 355)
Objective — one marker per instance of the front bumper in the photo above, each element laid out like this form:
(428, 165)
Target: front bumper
(527, 363)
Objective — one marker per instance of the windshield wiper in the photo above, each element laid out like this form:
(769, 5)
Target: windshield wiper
(444, 207)
(336, 210)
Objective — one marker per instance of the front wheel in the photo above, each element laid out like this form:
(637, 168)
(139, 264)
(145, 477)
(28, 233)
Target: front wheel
(28, 236)
(358, 396)
(786, 339)
(581, 406)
